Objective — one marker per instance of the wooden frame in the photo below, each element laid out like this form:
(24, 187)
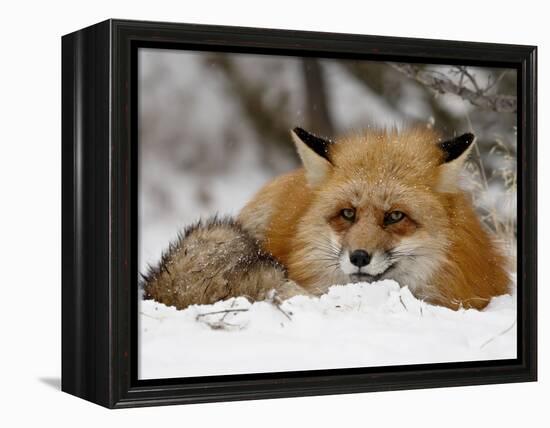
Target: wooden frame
(99, 193)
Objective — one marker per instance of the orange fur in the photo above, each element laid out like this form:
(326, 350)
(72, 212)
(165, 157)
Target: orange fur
(440, 249)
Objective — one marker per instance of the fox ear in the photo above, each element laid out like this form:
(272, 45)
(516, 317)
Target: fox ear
(314, 153)
(457, 147)
(455, 153)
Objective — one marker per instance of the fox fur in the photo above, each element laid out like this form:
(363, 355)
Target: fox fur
(391, 196)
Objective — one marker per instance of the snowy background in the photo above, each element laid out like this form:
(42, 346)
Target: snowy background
(214, 127)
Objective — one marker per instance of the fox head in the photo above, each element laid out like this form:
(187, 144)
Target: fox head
(382, 205)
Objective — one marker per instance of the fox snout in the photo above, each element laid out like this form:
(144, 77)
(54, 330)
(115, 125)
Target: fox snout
(359, 258)
(361, 264)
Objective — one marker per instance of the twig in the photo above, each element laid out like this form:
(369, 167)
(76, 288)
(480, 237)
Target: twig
(471, 78)
(442, 84)
(496, 81)
(221, 324)
(403, 303)
(224, 325)
(223, 311)
(276, 301)
(502, 333)
(150, 316)
(285, 313)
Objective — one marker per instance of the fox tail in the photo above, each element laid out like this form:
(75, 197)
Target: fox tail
(214, 260)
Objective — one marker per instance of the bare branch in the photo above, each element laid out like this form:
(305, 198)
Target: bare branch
(444, 85)
(377, 77)
(224, 311)
(491, 85)
(221, 323)
(464, 71)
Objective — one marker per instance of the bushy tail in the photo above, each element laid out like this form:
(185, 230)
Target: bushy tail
(210, 261)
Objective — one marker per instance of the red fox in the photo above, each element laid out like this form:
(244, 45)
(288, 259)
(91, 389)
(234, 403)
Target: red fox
(368, 206)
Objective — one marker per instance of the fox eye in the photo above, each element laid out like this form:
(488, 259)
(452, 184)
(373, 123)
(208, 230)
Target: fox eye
(393, 217)
(348, 214)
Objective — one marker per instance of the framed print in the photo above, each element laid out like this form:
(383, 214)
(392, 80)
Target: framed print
(253, 213)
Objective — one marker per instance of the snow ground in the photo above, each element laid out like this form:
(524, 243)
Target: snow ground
(356, 325)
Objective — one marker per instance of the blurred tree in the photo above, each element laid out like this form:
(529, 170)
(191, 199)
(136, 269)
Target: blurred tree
(317, 103)
(270, 121)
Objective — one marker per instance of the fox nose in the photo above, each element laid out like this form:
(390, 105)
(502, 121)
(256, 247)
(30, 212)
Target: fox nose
(359, 258)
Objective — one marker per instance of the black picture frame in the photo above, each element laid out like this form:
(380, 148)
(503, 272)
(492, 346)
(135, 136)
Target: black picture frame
(99, 214)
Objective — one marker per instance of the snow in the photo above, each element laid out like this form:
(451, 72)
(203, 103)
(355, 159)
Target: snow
(355, 325)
